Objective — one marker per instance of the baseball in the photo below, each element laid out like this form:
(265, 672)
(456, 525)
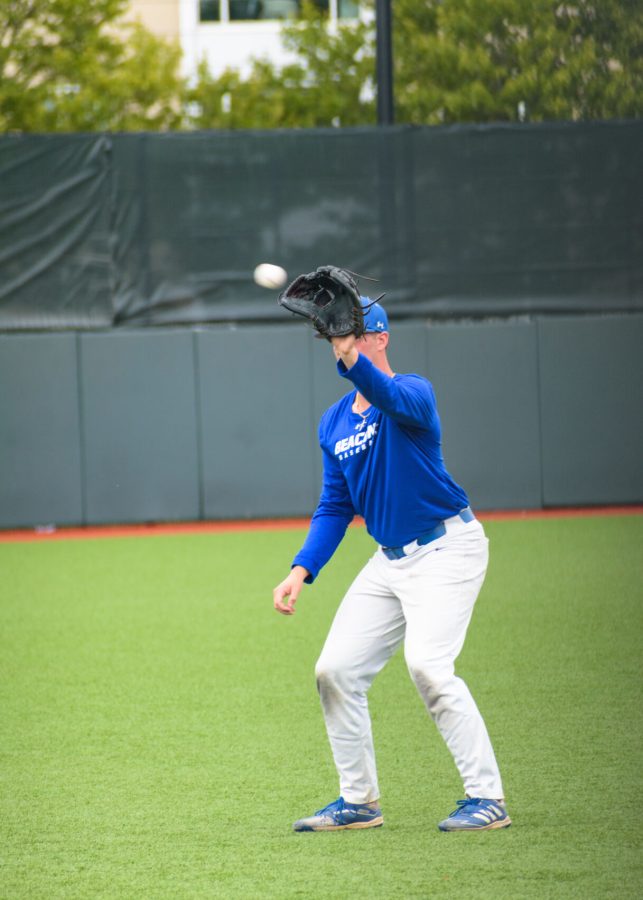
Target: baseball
(268, 276)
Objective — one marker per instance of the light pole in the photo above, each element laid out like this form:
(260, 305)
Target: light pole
(384, 62)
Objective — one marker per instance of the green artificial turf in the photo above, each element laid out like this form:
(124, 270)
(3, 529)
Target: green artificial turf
(160, 728)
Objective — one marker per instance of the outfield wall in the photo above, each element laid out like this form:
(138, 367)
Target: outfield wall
(221, 422)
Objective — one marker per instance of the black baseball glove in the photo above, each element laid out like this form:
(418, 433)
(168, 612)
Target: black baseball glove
(329, 297)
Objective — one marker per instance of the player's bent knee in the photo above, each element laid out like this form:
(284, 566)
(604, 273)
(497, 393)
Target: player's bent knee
(332, 676)
(327, 673)
(429, 678)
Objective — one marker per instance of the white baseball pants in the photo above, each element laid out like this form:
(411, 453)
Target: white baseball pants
(424, 600)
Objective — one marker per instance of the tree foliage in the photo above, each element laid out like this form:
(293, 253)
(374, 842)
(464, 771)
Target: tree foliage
(72, 65)
(476, 60)
(68, 65)
(327, 84)
(454, 61)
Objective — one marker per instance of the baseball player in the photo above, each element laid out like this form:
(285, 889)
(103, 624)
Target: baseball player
(382, 460)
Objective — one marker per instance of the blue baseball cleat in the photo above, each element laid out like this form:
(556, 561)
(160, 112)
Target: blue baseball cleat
(476, 814)
(339, 815)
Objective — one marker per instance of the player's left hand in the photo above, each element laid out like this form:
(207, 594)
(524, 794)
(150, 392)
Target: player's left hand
(344, 348)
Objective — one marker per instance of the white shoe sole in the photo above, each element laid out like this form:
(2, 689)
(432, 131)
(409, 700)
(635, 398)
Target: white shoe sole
(373, 823)
(501, 823)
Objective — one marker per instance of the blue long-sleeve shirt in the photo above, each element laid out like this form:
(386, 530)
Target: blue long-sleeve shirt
(387, 467)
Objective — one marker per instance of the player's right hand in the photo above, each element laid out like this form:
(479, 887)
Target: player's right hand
(285, 594)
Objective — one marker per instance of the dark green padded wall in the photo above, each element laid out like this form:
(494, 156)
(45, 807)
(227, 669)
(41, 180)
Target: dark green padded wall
(591, 374)
(139, 426)
(221, 422)
(40, 461)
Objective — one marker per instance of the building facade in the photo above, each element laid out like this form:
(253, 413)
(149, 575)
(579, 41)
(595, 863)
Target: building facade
(228, 33)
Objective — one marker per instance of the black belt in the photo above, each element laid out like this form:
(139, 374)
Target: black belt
(439, 531)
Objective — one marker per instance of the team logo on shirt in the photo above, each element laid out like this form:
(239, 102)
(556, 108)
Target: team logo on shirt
(356, 443)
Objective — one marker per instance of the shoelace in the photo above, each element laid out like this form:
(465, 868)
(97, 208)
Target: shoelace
(473, 802)
(333, 808)
(462, 805)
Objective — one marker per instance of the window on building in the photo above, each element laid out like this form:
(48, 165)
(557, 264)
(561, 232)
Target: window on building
(347, 9)
(209, 10)
(251, 10)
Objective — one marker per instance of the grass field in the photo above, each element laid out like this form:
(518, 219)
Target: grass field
(161, 729)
